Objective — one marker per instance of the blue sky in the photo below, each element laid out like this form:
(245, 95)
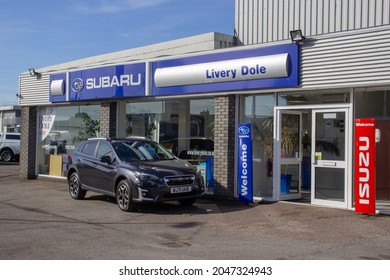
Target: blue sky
(42, 33)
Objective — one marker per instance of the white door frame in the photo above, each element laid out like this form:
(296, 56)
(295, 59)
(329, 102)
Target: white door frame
(348, 151)
(331, 163)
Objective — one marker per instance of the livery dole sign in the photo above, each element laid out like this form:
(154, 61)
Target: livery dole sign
(232, 69)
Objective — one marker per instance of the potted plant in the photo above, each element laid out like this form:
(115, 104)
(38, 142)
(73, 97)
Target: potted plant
(289, 142)
(267, 143)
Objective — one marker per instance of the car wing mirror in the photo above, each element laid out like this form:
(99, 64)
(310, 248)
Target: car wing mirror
(105, 159)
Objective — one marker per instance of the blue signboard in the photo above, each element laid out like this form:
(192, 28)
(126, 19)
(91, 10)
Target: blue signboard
(58, 88)
(104, 83)
(265, 67)
(245, 176)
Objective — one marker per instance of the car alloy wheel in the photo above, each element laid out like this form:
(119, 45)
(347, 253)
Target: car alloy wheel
(123, 196)
(75, 189)
(7, 155)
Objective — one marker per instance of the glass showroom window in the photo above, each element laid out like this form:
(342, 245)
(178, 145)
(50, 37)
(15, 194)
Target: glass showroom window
(185, 127)
(258, 111)
(375, 103)
(59, 130)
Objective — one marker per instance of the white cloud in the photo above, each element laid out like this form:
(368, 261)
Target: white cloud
(116, 6)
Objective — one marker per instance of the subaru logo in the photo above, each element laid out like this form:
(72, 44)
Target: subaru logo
(243, 130)
(77, 85)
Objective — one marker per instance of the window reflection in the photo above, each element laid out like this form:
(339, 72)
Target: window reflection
(59, 130)
(303, 98)
(375, 103)
(258, 111)
(184, 127)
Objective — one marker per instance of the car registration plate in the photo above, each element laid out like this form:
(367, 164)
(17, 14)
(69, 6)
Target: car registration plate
(181, 189)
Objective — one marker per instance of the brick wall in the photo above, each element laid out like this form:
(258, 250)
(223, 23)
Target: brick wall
(108, 119)
(113, 119)
(28, 143)
(224, 137)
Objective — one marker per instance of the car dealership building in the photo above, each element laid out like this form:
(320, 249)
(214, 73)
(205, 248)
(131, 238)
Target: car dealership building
(291, 116)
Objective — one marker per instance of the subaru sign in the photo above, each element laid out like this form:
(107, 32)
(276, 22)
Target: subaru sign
(105, 83)
(245, 180)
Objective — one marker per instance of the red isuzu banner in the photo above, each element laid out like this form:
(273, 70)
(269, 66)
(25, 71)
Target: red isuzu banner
(365, 166)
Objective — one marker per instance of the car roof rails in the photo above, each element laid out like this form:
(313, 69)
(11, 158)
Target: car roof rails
(138, 137)
(99, 138)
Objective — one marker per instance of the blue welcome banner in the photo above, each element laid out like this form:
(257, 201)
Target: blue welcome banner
(245, 176)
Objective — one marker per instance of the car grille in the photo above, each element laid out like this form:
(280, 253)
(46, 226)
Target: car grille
(172, 181)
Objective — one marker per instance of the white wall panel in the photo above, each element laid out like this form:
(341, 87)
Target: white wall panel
(353, 59)
(261, 21)
(34, 91)
(385, 12)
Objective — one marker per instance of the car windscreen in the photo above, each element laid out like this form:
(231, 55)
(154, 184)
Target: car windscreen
(140, 150)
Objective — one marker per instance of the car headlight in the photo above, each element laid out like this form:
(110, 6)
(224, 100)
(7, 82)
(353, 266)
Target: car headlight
(146, 177)
(199, 177)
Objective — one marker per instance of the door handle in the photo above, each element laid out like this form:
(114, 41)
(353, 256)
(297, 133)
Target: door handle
(329, 163)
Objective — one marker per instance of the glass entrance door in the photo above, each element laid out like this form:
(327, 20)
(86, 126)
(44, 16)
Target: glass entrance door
(288, 149)
(329, 157)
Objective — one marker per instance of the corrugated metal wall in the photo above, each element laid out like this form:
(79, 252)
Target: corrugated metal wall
(260, 21)
(359, 58)
(34, 91)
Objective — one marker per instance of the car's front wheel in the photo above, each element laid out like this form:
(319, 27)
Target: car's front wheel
(75, 189)
(7, 155)
(123, 196)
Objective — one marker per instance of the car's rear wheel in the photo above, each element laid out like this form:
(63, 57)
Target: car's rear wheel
(75, 189)
(7, 155)
(123, 196)
(187, 202)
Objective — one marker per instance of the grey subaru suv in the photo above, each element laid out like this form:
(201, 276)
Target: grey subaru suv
(133, 171)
